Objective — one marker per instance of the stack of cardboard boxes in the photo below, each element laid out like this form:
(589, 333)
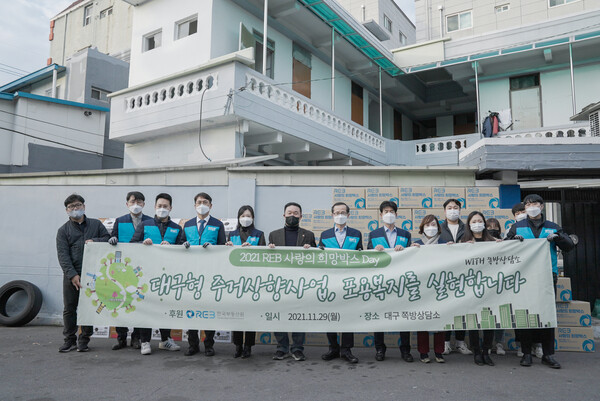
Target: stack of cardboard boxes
(574, 331)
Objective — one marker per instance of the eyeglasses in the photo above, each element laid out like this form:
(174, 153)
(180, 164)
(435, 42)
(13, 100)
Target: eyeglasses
(74, 206)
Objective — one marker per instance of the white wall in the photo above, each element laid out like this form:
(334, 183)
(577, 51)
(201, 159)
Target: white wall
(587, 85)
(556, 97)
(494, 96)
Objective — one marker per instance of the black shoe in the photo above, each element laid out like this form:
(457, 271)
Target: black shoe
(347, 356)
(119, 345)
(238, 351)
(209, 351)
(526, 360)
(136, 343)
(298, 355)
(550, 361)
(247, 352)
(82, 347)
(380, 355)
(424, 358)
(407, 357)
(280, 355)
(478, 357)
(331, 354)
(67, 346)
(487, 360)
(191, 351)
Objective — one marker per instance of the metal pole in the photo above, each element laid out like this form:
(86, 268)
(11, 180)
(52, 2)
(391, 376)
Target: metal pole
(573, 101)
(54, 77)
(332, 69)
(475, 67)
(265, 43)
(380, 106)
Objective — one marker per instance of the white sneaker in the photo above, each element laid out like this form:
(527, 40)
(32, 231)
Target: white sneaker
(169, 345)
(500, 349)
(462, 348)
(539, 353)
(447, 348)
(519, 352)
(146, 350)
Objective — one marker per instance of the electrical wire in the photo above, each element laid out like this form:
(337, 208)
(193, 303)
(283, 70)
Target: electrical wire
(50, 123)
(200, 126)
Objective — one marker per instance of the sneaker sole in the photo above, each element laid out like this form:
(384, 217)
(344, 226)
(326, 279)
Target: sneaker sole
(64, 351)
(300, 359)
(280, 358)
(83, 350)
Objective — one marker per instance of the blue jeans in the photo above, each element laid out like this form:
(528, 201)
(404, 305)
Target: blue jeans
(283, 342)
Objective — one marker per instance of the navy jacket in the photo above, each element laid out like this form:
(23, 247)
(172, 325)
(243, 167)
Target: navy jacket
(123, 228)
(250, 234)
(213, 232)
(353, 240)
(158, 231)
(378, 237)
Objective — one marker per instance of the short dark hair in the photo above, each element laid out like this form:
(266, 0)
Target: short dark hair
(428, 219)
(533, 198)
(385, 204)
(519, 207)
(243, 209)
(340, 204)
(74, 198)
(292, 204)
(164, 196)
(136, 196)
(453, 200)
(203, 195)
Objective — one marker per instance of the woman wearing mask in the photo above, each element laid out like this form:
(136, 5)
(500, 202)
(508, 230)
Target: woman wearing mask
(245, 235)
(493, 227)
(430, 230)
(476, 231)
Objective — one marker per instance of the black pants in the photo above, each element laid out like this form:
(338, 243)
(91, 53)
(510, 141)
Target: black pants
(122, 333)
(146, 334)
(459, 335)
(404, 342)
(194, 339)
(347, 341)
(238, 338)
(70, 301)
(488, 338)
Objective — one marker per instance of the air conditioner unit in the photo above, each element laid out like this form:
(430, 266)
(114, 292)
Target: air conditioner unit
(595, 123)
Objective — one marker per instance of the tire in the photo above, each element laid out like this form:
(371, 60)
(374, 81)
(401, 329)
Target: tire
(32, 308)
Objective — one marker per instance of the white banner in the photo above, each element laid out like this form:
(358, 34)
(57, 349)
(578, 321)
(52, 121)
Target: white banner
(435, 287)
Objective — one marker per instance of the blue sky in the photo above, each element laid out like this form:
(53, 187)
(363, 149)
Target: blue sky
(24, 45)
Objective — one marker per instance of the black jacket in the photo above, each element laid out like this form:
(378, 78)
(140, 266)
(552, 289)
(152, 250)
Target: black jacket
(277, 237)
(446, 234)
(70, 241)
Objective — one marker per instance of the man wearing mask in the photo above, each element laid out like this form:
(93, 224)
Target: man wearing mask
(122, 231)
(536, 226)
(70, 241)
(390, 236)
(160, 230)
(453, 230)
(291, 235)
(341, 237)
(203, 230)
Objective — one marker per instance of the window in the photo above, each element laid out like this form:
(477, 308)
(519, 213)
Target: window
(402, 38)
(258, 54)
(554, 3)
(301, 70)
(186, 27)
(387, 23)
(99, 94)
(524, 81)
(459, 21)
(152, 41)
(502, 8)
(106, 12)
(87, 15)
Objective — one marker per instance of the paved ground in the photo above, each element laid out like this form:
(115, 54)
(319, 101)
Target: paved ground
(32, 369)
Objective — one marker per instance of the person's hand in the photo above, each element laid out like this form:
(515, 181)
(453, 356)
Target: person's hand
(519, 237)
(113, 240)
(552, 237)
(186, 244)
(306, 246)
(471, 242)
(76, 282)
(87, 241)
(229, 243)
(246, 244)
(498, 240)
(271, 245)
(147, 241)
(379, 248)
(206, 244)
(416, 245)
(165, 243)
(398, 248)
(449, 242)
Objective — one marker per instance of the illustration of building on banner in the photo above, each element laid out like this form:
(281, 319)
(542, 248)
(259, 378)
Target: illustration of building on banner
(519, 319)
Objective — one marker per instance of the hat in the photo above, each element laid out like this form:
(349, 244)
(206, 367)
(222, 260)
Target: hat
(533, 198)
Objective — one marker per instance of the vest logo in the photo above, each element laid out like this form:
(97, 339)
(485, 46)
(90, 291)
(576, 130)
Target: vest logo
(359, 203)
(373, 225)
(585, 320)
(427, 203)
(352, 239)
(588, 346)
(212, 228)
(407, 225)
(173, 230)
(494, 203)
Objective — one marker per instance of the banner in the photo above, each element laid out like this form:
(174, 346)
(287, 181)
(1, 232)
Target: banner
(484, 285)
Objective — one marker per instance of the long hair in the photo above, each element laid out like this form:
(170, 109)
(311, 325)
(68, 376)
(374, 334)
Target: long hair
(469, 234)
(241, 211)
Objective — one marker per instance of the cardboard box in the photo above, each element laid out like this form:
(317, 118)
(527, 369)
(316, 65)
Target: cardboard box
(563, 290)
(578, 339)
(482, 198)
(573, 314)
(415, 197)
(375, 195)
(405, 219)
(442, 194)
(351, 196)
(419, 214)
(364, 220)
(321, 219)
(307, 221)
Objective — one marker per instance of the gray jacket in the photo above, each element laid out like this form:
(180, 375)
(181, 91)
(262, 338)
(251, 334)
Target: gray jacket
(70, 240)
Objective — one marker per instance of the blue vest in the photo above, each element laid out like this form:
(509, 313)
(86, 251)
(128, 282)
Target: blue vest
(351, 242)
(125, 227)
(151, 231)
(526, 233)
(378, 237)
(252, 239)
(210, 233)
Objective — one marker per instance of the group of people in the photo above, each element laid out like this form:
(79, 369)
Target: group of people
(205, 230)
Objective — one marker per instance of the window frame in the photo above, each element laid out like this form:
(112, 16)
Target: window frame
(564, 3)
(182, 22)
(500, 8)
(87, 14)
(106, 12)
(102, 94)
(146, 38)
(402, 37)
(387, 21)
(458, 15)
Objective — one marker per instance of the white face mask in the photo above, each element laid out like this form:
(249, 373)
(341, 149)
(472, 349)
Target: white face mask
(245, 221)
(533, 211)
(389, 218)
(430, 231)
(202, 209)
(340, 219)
(477, 227)
(521, 216)
(76, 214)
(162, 212)
(135, 208)
(452, 214)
